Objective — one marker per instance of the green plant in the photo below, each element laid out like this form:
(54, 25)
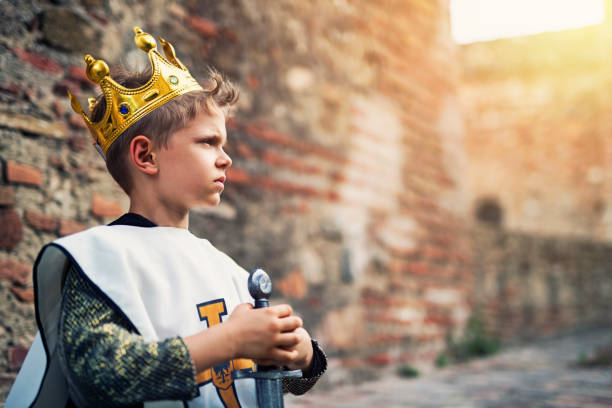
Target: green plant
(475, 342)
(602, 357)
(442, 360)
(407, 371)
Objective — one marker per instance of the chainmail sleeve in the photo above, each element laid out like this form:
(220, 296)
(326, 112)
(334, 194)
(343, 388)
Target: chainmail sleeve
(318, 366)
(106, 363)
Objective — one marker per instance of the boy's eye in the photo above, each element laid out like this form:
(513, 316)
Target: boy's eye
(209, 140)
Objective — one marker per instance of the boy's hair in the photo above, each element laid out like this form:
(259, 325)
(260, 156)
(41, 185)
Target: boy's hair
(162, 122)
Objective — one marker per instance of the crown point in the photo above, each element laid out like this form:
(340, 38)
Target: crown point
(97, 70)
(144, 41)
(76, 106)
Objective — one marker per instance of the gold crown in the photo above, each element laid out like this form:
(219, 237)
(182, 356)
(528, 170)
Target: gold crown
(124, 106)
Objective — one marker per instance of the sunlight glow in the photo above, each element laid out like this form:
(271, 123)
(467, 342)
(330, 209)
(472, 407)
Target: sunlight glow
(485, 20)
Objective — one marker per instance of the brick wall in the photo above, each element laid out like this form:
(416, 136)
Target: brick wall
(349, 179)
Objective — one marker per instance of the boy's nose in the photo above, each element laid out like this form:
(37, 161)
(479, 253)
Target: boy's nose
(224, 161)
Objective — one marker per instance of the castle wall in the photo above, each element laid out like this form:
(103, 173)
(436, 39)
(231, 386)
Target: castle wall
(353, 177)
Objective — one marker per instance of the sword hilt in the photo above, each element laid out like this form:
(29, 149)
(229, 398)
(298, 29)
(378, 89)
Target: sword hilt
(268, 379)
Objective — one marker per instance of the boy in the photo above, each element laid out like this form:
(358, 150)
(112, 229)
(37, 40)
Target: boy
(131, 313)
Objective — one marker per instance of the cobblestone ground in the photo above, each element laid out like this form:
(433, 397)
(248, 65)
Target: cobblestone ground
(535, 376)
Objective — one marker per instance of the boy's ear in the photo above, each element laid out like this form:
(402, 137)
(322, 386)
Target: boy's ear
(142, 155)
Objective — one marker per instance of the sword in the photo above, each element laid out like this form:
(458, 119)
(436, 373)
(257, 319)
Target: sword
(268, 379)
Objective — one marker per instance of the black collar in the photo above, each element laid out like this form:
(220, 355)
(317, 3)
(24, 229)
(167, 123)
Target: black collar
(133, 219)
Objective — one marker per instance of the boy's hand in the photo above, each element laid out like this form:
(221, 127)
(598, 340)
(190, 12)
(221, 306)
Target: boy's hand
(304, 349)
(269, 336)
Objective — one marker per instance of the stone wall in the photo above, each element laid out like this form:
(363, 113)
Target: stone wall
(529, 286)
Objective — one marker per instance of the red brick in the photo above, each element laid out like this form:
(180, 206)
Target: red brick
(22, 174)
(417, 268)
(239, 176)
(432, 252)
(229, 34)
(11, 230)
(62, 87)
(103, 207)
(41, 62)
(276, 159)
(11, 88)
(332, 196)
(76, 122)
(439, 320)
(16, 272)
(57, 162)
(244, 150)
(68, 227)
(77, 73)
(7, 196)
(380, 359)
(25, 295)
(16, 355)
(177, 11)
(77, 142)
(203, 26)
(231, 124)
(352, 362)
(294, 285)
(252, 82)
(100, 16)
(41, 221)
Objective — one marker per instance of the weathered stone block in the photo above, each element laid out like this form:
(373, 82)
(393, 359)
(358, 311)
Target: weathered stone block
(32, 125)
(59, 26)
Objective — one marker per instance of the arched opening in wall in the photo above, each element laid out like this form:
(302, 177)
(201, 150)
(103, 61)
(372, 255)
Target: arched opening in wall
(489, 212)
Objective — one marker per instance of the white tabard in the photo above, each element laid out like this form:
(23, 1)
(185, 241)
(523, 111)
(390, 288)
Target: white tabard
(166, 281)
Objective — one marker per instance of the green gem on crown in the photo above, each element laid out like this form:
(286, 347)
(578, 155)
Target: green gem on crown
(173, 79)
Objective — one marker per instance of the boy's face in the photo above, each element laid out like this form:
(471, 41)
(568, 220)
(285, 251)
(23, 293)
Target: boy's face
(192, 167)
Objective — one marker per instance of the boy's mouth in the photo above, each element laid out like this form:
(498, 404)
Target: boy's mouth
(220, 180)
